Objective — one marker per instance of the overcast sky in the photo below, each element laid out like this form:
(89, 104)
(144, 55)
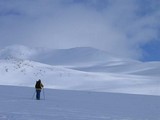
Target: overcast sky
(127, 28)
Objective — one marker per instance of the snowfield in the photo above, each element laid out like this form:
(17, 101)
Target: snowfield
(80, 84)
(25, 73)
(17, 104)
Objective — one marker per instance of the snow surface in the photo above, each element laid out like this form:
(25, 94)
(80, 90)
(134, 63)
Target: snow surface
(80, 84)
(16, 103)
(81, 68)
(25, 73)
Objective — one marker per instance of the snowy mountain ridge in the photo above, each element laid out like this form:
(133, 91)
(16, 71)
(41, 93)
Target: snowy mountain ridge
(79, 55)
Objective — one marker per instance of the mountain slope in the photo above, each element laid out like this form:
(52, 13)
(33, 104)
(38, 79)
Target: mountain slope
(25, 73)
(104, 73)
(81, 58)
(124, 66)
(73, 56)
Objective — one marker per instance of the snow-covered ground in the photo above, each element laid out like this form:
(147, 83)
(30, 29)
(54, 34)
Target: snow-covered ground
(79, 68)
(80, 84)
(25, 73)
(16, 103)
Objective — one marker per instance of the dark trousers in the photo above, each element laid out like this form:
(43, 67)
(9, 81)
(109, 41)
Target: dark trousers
(38, 94)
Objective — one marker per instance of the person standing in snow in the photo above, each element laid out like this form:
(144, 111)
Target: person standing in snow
(38, 87)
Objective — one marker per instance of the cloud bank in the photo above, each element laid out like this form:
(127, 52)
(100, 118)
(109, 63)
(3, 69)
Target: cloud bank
(120, 27)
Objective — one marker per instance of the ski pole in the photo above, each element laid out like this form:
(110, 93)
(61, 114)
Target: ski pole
(43, 94)
(33, 94)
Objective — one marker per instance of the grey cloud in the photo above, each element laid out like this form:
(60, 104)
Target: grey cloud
(119, 27)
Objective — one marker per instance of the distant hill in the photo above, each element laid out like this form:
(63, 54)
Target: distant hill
(72, 56)
(81, 68)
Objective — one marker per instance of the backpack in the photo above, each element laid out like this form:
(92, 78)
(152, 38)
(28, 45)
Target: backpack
(38, 84)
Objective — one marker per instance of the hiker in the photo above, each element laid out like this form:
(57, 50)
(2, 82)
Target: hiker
(38, 87)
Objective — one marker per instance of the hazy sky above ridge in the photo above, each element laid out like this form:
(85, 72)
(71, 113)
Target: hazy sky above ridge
(127, 28)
